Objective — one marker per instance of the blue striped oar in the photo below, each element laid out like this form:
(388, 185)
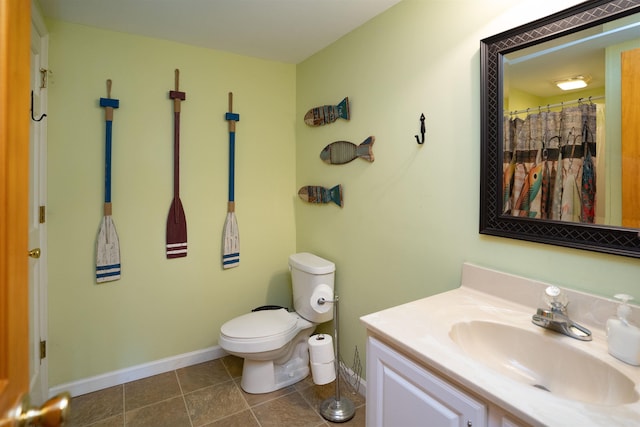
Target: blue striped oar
(231, 237)
(107, 245)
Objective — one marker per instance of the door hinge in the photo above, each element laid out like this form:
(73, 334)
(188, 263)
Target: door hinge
(43, 349)
(43, 78)
(43, 214)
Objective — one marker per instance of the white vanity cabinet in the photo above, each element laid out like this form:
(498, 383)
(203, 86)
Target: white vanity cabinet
(402, 393)
(421, 371)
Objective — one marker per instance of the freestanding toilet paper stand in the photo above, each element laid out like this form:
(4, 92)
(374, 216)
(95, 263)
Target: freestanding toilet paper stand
(336, 409)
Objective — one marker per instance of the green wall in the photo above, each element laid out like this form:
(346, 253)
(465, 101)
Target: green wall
(161, 307)
(409, 219)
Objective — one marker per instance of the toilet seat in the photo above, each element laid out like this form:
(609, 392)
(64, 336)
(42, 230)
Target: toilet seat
(260, 331)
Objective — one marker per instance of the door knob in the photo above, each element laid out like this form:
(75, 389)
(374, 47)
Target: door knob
(34, 253)
(53, 413)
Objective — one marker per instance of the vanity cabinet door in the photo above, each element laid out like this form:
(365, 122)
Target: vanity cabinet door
(498, 417)
(401, 393)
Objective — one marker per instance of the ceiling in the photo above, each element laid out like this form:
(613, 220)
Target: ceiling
(535, 69)
(287, 31)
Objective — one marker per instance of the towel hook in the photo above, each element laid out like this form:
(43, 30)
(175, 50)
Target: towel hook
(32, 117)
(422, 129)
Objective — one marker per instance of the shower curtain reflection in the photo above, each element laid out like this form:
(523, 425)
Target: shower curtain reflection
(550, 163)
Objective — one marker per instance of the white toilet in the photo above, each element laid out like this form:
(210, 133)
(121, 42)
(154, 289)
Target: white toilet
(274, 343)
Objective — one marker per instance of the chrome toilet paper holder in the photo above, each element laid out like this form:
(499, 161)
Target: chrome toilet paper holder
(336, 409)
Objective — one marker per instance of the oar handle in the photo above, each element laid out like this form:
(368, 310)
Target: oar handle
(107, 163)
(109, 104)
(232, 119)
(108, 111)
(232, 122)
(176, 95)
(176, 154)
(176, 100)
(232, 163)
(231, 205)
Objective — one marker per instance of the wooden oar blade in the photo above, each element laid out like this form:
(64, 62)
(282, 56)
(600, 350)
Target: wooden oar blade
(176, 231)
(107, 252)
(231, 242)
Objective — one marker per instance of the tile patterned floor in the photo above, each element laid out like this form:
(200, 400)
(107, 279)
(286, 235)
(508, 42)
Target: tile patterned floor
(206, 395)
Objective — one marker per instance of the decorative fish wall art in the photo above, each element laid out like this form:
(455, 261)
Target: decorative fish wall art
(317, 194)
(341, 152)
(327, 113)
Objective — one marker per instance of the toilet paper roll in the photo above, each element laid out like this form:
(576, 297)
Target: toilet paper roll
(323, 373)
(321, 291)
(321, 348)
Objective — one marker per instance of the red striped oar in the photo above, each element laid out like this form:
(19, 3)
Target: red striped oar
(176, 221)
(107, 244)
(231, 237)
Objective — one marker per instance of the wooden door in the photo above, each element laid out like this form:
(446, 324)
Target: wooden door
(15, 36)
(15, 53)
(37, 227)
(630, 87)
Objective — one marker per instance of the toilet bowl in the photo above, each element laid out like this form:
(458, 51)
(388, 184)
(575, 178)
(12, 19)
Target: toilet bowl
(274, 346)
(274, 343)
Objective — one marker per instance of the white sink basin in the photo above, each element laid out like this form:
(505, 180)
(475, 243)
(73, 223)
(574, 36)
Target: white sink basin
(543, 362)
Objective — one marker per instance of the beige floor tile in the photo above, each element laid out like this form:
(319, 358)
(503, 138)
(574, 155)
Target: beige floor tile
(167, 413)
(307, 382)
(234, 365)
(117, 421)
(205, 395)
(93, 407)
(243, 419)
(257, 399)
(291, 410)
(202, 375)
(212, 403)
(151, 390)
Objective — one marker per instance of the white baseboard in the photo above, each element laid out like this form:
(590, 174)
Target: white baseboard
(110, 379)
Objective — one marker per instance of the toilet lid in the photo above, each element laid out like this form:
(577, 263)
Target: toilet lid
(258, 324)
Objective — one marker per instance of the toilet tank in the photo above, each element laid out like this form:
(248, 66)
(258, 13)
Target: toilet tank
(308, 273)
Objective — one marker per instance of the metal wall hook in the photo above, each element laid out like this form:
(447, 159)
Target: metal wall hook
(422, 130)
(32, 117)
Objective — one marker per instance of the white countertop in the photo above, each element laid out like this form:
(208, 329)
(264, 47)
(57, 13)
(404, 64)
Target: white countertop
(420, 329)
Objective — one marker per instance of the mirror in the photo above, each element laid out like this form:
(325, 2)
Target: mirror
(529, 130)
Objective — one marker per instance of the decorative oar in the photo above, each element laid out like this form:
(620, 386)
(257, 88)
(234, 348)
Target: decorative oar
(231, 237)
(107, 245)
(176, 221)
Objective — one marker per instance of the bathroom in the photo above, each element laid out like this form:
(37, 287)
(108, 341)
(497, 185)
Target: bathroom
(409, 221)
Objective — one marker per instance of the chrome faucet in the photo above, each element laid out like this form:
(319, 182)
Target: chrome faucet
(555, 317)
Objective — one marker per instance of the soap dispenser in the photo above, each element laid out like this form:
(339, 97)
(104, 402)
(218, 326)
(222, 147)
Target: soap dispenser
(622, 336)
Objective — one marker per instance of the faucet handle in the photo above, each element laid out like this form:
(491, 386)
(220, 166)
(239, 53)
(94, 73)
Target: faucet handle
(552, 291)
(555, 298)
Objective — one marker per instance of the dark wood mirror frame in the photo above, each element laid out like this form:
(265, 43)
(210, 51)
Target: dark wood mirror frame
(607, 239)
